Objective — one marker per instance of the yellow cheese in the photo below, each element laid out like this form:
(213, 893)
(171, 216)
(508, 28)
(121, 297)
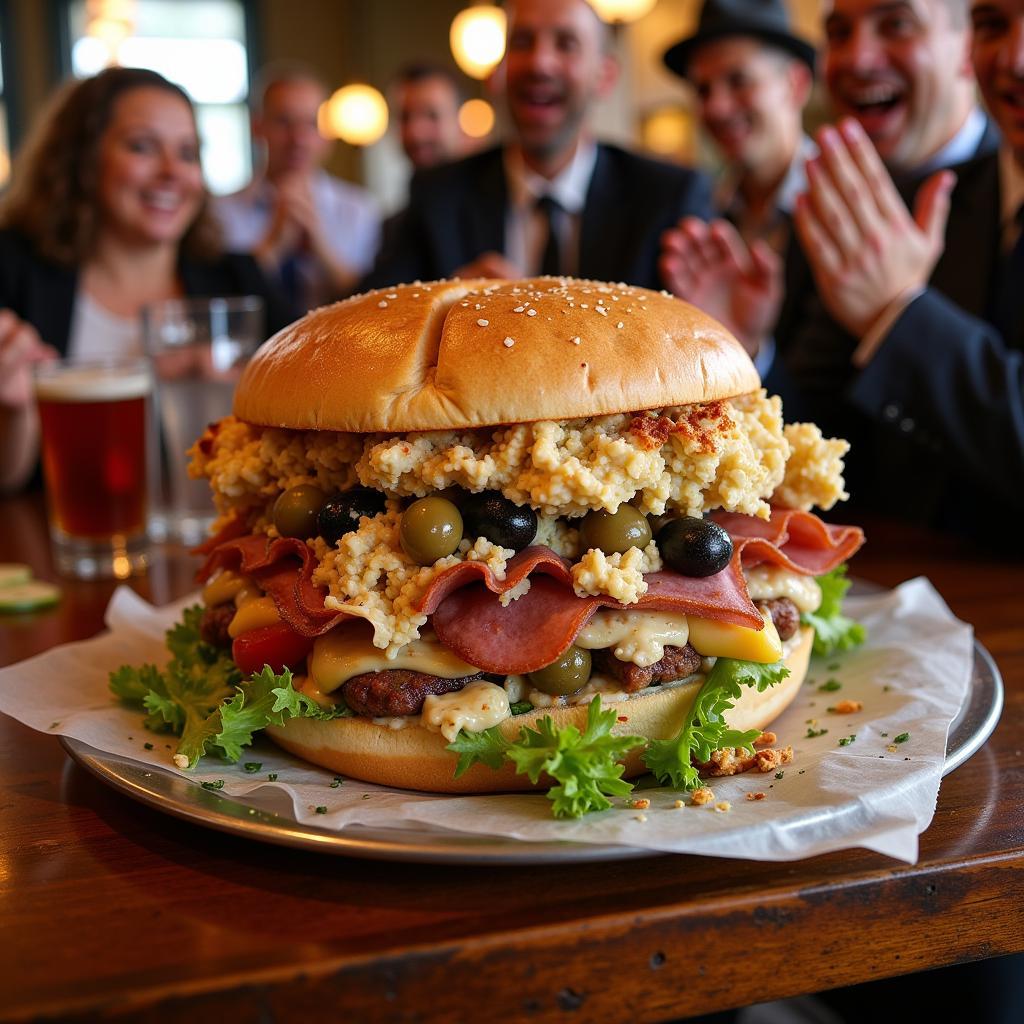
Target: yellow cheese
(254, 614)
(724, 640)
(222, 588)
(348, 651)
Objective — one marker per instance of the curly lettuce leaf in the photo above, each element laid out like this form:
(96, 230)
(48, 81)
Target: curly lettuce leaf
(833, 631)
(585, 765)
(488, 747)
(201, 696)
(706, 731)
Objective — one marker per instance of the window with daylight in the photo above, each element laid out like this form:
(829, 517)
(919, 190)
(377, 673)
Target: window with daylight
(201, 45)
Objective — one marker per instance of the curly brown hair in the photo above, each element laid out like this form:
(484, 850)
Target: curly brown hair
(52, 197)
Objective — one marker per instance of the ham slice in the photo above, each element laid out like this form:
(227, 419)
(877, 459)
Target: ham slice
(796, 540)
(535, 629)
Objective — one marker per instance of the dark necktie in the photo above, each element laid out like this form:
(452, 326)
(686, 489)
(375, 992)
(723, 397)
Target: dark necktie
(551, 259)
(1008, 301)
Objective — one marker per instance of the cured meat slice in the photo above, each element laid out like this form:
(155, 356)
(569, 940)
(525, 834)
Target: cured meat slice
(535, 629)
(796, 540)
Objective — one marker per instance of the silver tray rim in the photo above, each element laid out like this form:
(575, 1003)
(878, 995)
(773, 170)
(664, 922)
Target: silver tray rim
(175, 796)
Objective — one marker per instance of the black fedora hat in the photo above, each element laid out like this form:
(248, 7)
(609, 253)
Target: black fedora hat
(767, 20)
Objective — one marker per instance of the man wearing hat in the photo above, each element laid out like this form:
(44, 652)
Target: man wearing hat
(751, 77)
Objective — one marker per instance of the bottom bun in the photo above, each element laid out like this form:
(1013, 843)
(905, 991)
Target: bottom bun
(415, 757)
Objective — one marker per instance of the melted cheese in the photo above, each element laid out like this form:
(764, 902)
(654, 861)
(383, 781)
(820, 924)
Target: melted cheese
(725, 640)
(254, 614)
(476, 707)
(348, 651)
(222, 588)
(767, 581)
(639, 637)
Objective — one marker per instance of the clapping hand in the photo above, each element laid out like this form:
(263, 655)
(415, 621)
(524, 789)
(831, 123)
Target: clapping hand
(864, 247)
(710, 266)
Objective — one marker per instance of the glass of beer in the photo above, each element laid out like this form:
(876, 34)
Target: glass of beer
(94, 424)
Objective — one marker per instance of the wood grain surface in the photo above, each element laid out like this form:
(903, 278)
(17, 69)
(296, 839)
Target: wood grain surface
(109, 908)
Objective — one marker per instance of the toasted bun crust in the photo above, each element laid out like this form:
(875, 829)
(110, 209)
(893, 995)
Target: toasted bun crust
(434, 356)
(416, 758)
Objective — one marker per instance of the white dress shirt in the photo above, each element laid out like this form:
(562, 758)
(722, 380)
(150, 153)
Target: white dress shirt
(349, 214)
(526, 226)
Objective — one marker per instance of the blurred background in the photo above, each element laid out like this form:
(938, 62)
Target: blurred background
(214, 48)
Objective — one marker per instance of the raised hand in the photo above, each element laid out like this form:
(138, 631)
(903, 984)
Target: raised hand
(865, 248)
(710, 266)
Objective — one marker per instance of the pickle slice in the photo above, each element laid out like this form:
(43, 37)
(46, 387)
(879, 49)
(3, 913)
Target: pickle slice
(28, 597)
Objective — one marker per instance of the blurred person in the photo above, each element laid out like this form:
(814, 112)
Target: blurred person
(751, 77)
(902, 70)
(315, 233)
(105, 214)
(552, 199)
(425, 104)
(930, 305)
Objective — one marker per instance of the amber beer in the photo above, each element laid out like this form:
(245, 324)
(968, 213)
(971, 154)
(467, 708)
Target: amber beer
(94, 427)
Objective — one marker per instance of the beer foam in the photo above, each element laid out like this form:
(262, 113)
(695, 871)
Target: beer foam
(93, 384)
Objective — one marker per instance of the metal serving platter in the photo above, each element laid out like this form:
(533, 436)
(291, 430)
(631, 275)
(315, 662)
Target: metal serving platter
(174, 795)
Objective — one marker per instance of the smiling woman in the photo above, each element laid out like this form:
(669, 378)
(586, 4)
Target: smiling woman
(106, 214)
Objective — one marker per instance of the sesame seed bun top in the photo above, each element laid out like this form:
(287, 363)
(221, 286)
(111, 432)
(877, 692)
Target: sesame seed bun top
(455, 354)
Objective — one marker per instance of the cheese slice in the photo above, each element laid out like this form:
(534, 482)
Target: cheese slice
(348, 651)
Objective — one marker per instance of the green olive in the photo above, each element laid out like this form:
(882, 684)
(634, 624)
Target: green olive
(615, 531)
(565, 674)
(295, 511)
(431, 529)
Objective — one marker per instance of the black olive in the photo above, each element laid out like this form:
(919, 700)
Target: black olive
(695, 547)
(341, 513)
(503, 522)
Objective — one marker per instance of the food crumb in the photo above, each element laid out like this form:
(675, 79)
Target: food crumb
(702, 796)
(679, 804)
(847, 707)
(509, 342)
(641, 804)
(622, 718)
(180, 761)
(892, 748)
(272, 777)
(766, 739)
(756, 796)
(382, 304)
(780, 774)
(640, 817)
(575, 341)
(147, 746)
(723, 806)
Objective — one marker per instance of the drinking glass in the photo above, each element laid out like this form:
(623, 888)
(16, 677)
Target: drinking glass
(94, 424)
(198, 348)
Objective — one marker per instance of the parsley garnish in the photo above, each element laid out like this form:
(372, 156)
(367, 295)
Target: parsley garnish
(219, 784)
(252, 766)
(830, 686)
(811, 733)
(845, 741)
(902, 738)
(272, 777)
(321, 809)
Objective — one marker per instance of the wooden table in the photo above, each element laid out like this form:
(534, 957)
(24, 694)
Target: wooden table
(108, 907)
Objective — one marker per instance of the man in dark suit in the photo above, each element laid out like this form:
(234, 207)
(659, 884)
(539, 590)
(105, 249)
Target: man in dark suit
(902, 70)
(551, 200)
(930, 356)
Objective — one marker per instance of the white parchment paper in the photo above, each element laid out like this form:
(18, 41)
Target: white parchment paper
(912, 677)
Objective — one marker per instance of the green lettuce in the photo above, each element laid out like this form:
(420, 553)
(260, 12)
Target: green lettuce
(585, 766)
(705, 730)
(833, 631)
(201, 697)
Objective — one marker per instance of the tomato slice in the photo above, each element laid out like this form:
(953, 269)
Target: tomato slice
(277, 646)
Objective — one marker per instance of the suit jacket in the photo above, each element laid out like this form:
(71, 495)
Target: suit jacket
(937, 415)
(456, 212)
(807, 372)
(43, 293)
